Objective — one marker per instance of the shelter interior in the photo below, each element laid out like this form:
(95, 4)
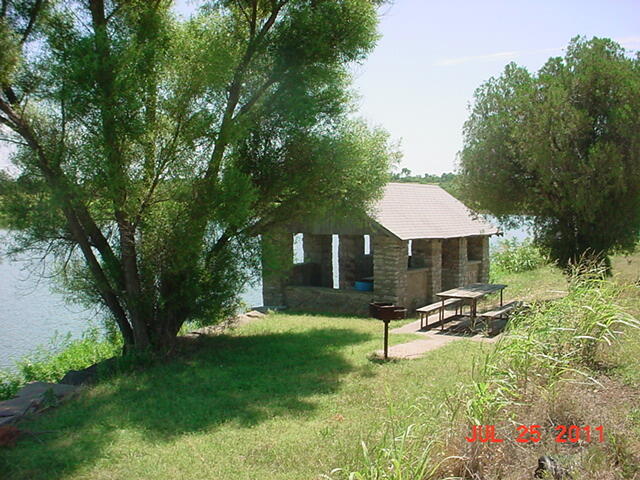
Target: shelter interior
(386, 269)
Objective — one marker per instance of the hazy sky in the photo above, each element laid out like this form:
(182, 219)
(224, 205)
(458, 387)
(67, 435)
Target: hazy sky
(433, 54)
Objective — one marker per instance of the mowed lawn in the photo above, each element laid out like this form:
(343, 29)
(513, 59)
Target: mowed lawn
(288, 397)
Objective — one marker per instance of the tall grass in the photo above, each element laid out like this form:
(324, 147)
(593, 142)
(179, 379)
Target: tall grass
(555, 338)
(544, 346)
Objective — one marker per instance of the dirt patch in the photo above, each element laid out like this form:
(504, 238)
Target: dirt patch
(580, 451)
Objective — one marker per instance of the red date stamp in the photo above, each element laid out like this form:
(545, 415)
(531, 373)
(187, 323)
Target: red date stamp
(533, 434)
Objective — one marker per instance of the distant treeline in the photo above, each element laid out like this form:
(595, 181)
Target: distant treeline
(446, 180)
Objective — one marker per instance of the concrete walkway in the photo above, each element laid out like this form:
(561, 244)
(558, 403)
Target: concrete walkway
(433, 338)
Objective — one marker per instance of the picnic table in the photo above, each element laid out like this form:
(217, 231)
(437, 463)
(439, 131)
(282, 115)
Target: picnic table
(472, 293)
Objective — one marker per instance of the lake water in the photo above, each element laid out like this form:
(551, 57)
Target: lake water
(31, 313)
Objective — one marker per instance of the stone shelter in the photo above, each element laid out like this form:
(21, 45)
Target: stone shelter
(418, 241)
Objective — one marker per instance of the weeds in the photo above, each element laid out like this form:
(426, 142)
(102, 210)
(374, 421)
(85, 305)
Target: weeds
(515, 257)
(552, 343)
(43, 365)
(547, 347)
(405, 456)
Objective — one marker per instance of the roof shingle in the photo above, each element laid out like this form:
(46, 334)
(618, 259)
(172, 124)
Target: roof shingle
(413, 211)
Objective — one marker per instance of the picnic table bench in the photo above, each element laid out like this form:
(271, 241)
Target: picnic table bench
(498, 312)
(437, 307)
(472, 293)
(501, 311)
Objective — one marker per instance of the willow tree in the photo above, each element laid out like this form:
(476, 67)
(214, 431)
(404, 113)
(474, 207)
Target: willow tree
(153, 150)
(562, 149)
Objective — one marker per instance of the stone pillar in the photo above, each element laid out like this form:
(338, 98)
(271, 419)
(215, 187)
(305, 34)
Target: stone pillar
(317, 249)
(350, 247)
(277, 262)
(454, 262)
(434, 263)
(485, 262)
(389, 269)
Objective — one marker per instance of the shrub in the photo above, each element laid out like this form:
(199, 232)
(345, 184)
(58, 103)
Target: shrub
(514, 257)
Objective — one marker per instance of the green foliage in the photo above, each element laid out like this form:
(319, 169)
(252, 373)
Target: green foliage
(154, 151)
(512, 256)
(51, 362)
(562, 146)
(405, 455)
(9, 51)
(10, 383)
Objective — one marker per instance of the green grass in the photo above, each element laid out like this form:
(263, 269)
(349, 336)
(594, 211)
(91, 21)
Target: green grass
(542, 284)
(289, 397)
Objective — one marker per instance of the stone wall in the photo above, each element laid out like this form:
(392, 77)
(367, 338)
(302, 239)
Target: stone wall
(328, 300)
(454, 262)
(441, 265)
(389, 269)
(277, 263)
(473, 271)
(418, 294)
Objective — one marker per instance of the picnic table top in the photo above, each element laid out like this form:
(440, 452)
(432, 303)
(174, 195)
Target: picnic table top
(474, 290)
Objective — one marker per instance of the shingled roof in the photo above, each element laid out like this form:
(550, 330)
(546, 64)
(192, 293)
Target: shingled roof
(413, 211)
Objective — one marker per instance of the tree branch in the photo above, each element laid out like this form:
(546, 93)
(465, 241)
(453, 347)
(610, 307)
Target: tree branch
(33, 16)
(9, 140)
(127, 235)
(5, 121)
(243, 11)
(10, 94)
(254, 17)
(235, 90)
(73, 208)
(256, 97)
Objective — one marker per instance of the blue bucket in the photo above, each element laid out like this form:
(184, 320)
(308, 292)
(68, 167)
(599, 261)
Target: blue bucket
(364, 286)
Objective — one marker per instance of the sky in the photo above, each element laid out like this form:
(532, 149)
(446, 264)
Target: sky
(432, 56)
(419, 81)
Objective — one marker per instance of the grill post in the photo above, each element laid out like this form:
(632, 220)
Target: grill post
(386, 338)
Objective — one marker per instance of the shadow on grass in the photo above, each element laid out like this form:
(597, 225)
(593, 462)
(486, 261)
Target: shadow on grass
(322, 314)
(242, 379)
